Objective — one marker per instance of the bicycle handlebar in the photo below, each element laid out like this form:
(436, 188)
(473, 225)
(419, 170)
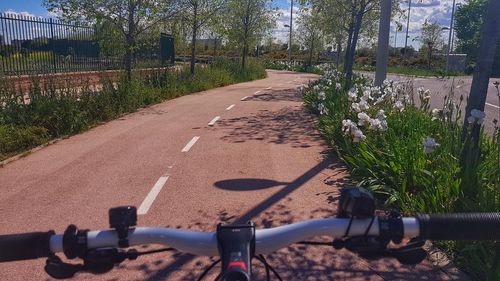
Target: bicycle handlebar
(25, 246)
(465, 226)
(473, 226)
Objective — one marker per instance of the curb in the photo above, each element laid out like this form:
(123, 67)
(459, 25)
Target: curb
(26, 153)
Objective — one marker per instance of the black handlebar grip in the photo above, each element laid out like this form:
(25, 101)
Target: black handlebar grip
(25, 246)
(460, 226)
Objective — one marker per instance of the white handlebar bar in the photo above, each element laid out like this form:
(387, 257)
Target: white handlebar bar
(267, 240)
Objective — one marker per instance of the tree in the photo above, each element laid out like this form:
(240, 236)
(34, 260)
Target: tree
(198, 13)
(469, 19)
(490, 35)
(130, 17)
(332, 22)
(431, 33)
(308, 31)
(246, 22)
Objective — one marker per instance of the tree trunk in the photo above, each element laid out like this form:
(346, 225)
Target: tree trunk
(215, 47)
(339, 50)
(490, 35)
(245, 47)
(350, 60)
(193, 38)
(129, 56)
(349, 40)
(311, 48)
(244, 55)
(130, 40)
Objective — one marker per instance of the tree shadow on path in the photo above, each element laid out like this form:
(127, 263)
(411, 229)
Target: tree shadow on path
(289, 125)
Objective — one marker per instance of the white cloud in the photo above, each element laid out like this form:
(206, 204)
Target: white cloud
(433, 10)
(281, 32)
(11, 12)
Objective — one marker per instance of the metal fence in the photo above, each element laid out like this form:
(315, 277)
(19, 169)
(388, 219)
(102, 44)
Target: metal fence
(33, 45)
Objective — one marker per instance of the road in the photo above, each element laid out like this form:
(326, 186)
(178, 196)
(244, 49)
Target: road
(461, 85)
(260, 158)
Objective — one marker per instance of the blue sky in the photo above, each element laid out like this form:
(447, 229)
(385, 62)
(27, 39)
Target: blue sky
(435, 10)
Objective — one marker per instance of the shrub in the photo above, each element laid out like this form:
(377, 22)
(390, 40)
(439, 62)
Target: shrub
(410, 157)
(46, 111)
(14, 139)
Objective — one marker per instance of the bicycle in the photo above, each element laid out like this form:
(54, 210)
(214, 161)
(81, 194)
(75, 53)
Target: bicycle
(357, 228)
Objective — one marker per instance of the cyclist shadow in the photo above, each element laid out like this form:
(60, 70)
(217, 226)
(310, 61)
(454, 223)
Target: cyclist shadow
(267, 213)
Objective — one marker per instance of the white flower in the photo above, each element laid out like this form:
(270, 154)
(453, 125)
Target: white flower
(381, 115)
(322, 96)
(476, 116)
(357, 136)
(364, 119)
(338, 86)
(429, 145)
(375, 124)
(322, 109)
(363, 105)
(436, 113)
(383, 126)
(316, 88)
(347, 126)
(353, 94)
(379, 100)
(399, 105)
(355, 107)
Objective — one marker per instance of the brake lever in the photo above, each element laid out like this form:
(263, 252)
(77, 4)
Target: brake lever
(95, 261)
(58, 269)
(411, 253)
(372, 247)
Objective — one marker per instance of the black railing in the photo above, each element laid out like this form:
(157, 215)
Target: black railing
(33, 45)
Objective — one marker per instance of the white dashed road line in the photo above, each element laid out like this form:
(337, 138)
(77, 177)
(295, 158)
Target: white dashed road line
(150, 198)
(244, 98)
(211, 123)
(495, 106)
(190, 144)
(229, 107)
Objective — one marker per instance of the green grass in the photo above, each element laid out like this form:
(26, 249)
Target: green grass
(292, 66)
(52, 113)
(393, 165)
(412, 71)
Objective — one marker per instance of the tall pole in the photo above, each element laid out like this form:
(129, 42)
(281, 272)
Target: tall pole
(290, 39)
(449, 37)
(384, 31)
(407, 26)
(396, 40)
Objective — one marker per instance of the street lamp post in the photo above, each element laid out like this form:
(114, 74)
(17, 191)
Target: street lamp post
(449, 37)
(407, 27)
(383, 41)
(430, 45)
(290, 39)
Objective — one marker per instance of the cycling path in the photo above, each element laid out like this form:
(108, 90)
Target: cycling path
(243, 152)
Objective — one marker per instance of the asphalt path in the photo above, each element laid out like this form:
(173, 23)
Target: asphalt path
(243, 152)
